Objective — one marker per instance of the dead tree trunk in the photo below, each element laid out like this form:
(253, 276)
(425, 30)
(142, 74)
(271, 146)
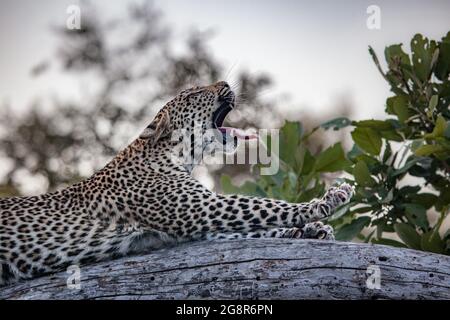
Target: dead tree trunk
(255, 269)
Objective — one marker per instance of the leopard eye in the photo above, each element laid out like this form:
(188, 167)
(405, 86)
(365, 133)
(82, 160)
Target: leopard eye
(193, 94)
(186, 92)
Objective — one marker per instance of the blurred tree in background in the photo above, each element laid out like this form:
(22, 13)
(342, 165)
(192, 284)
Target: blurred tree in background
(129, 69)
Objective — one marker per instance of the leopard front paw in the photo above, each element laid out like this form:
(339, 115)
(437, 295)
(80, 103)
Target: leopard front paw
(292, 233)
(317, 230)
(337, 196)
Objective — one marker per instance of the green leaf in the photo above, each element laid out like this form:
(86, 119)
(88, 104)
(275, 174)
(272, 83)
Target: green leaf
(354, 152)
(362, 210)
(422, 54)
(369, 160)
(390, 105)
(374, 124)
(426, 200)
(407, 190)
(428, 149)
(387, 128)
(416, 144)
(447, 131)
(351, 230)
(277, 178)
(408, 235)
(387, 152)
(439, 129)
(290, 135)
(387, 198)
(299, 156)
(332, 159)
(396, 51)
(432, 242)
(337, 123)
(400, 108)
(308, 163)
(309, 194)
(442, 69)
(367, 139)
(417, 215)
(293, 179)
(391, 135)
(340, 211)
(432, 105)
(362, 175)
(405, 168)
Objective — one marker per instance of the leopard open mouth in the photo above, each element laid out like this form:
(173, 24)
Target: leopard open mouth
(219, 115)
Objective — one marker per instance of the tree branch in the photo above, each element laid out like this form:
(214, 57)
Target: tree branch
(254, 269)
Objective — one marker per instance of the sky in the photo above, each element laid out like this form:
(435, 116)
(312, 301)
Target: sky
(316, 51)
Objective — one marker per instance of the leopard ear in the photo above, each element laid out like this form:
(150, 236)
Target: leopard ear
(158, 129)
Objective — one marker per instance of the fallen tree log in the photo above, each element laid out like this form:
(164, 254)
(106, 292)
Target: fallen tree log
(255, 269)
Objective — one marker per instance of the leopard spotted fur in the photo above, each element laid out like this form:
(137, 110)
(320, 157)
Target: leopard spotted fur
(143, 200)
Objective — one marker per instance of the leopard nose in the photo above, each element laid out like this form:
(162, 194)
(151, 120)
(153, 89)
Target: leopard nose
(223, 88)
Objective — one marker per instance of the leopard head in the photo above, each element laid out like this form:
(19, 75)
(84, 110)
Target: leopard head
(194, 119)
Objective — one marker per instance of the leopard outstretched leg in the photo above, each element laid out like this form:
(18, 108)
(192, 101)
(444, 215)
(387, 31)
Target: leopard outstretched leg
(231, 214)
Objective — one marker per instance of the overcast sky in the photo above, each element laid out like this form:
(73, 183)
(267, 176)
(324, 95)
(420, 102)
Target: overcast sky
(315, 50)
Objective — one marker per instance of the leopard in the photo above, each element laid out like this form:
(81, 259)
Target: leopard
(146, 198)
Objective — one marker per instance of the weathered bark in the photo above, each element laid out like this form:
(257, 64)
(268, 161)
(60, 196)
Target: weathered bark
(254, 269)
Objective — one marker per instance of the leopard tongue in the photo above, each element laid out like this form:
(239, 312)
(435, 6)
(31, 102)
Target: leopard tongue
(238, 133)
